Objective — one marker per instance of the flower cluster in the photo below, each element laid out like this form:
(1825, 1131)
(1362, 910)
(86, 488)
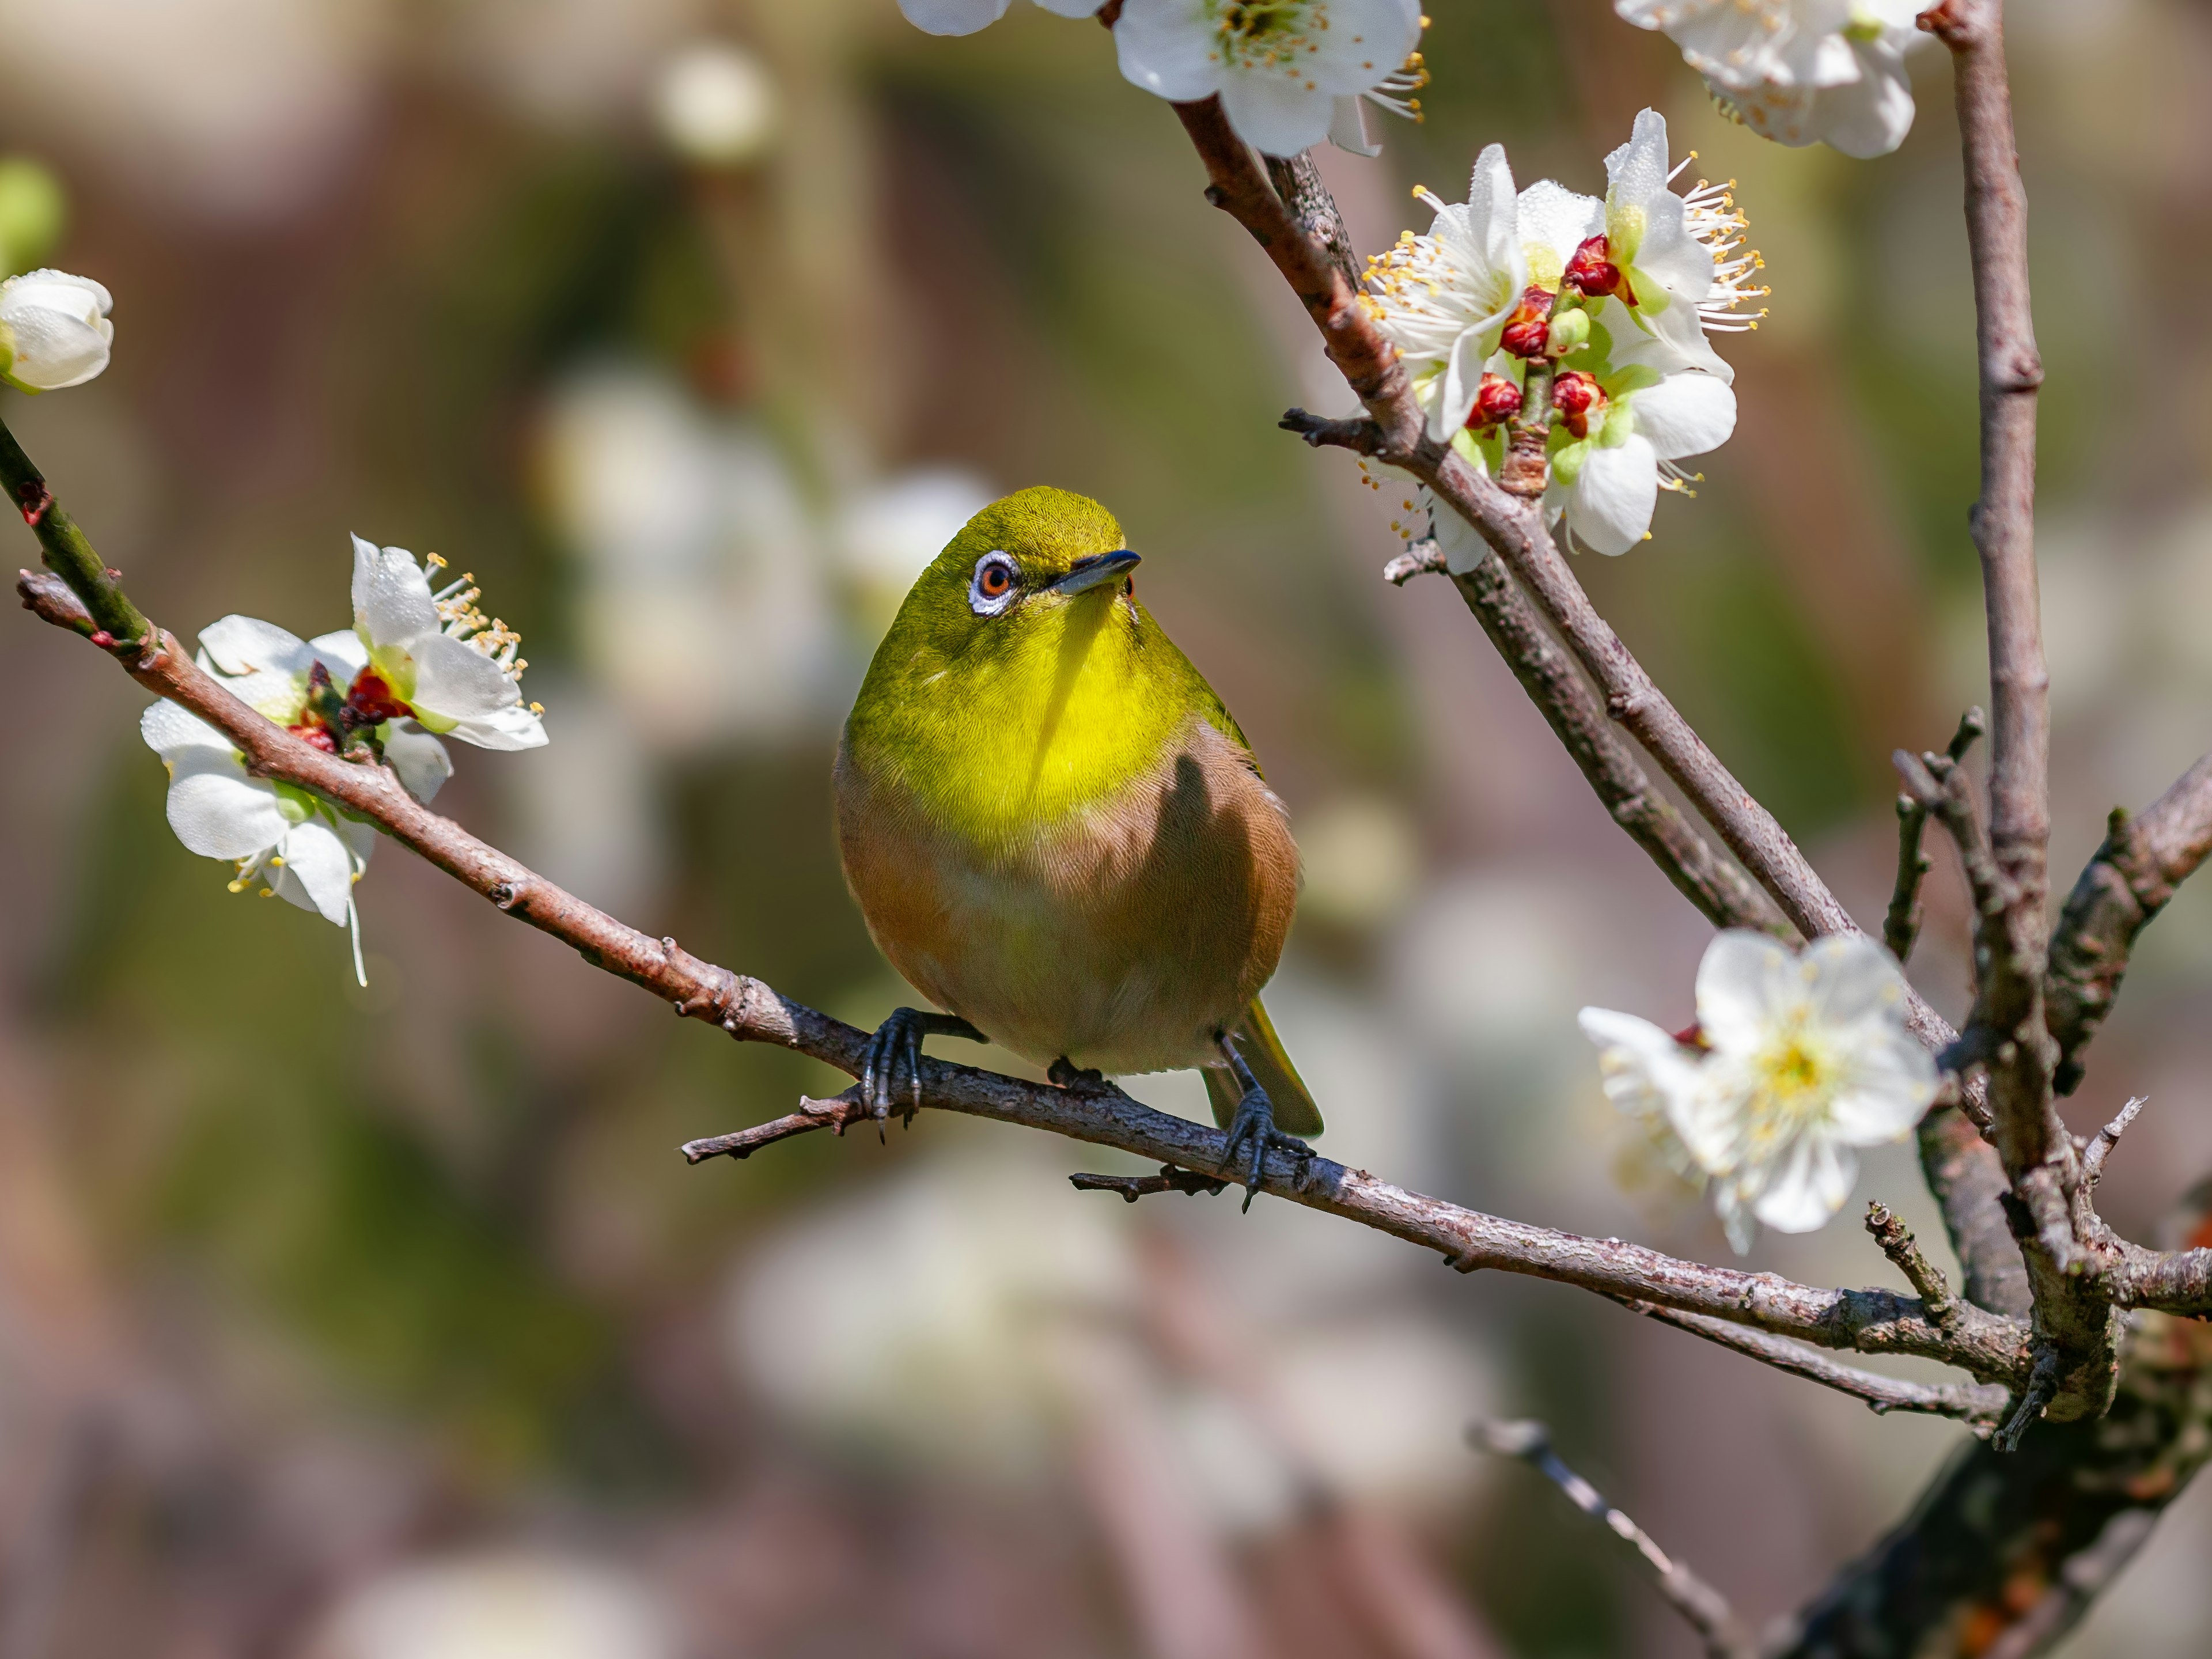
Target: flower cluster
(415, 663)
(1289, 73)
(1795, 1062)
(1799, 71)
(1622, 292)
(54, 330)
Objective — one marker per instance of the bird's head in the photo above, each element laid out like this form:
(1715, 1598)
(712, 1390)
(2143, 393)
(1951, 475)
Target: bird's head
(1024, 568)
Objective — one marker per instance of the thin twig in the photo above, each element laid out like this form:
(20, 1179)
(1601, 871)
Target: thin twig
(1900, 926)
(1980, 1403)
(835, 1115)
(1904, 1251)
(1423, 558)
(1705, 1608)
(2102, 1144)
(1133, 1187)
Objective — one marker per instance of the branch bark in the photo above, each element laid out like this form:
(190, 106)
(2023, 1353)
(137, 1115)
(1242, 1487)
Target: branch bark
(2128, 883)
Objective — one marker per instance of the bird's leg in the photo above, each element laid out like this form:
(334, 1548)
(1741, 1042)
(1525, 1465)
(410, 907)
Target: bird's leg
(1066, 1074)
(899, 1038)
(1256, 1121)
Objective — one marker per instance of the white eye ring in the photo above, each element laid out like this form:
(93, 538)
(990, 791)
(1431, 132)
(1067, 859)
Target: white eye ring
(997, 567)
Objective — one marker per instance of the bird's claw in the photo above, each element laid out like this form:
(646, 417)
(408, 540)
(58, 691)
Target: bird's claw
(1256, 1122)
(899, 1038)
(1066, 1074)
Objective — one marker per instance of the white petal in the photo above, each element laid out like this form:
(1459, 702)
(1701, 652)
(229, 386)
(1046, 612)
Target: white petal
(1461, 382)
(246, 645)
(454, 681)
(1070, 7)
(1493, 212)
(1870, 116)
(1166, 47)
(420, 759)
(1610, 505)
(1745, 982)
(318, 872)
(952, 16)
(1685, 414)
(1557, 221)
(218, 812)
(1365, 44)
(1460, 543)
(1854, 980)
(1277, 114)
(391, 595)
(1811, 1185)
(1349, 127)
(342, 652)
(1636, 173)
(169, 730)
(1885, 1108)
(509, 729)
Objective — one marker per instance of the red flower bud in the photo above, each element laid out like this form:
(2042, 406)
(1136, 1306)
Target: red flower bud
(1495, 399)
(1529, 327)
(315, 735)
(1574, 395)
(1594, 274)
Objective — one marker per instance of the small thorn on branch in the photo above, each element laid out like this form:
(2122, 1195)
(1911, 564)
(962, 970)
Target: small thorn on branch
(1357, 433)
(1904, 1251)
(1423, 558)
(2102, 1144)
(1133, 1187)
(1705, 1608)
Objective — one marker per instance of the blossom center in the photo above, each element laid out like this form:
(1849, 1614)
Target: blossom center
(1267, 33)
(1792, 1082)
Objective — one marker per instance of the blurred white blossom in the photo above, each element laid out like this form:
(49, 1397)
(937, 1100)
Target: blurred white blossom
(887, 534)
(1280, 69)
(1795, 1061)
(54, 330)
(966, 16)
(1799, 71)
(703, 602)
(716, 104)
(517, 1605)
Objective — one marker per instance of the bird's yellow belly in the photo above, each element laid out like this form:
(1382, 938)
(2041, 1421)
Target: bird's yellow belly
(1123, 938)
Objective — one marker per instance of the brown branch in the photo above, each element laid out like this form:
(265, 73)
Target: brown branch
(1133, 1187)
(2102, 1144)
(1980, 1403)
(2129, 880)
(1705, 1608)
(1723, 893)
(836, 1114)
(1871, 1322)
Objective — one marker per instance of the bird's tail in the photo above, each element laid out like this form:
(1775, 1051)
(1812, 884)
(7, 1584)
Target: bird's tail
(1255, 1039)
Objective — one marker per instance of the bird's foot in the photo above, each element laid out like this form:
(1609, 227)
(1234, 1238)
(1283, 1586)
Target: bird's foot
(1066, 1074)
(1255, 1123)
(899, 1038)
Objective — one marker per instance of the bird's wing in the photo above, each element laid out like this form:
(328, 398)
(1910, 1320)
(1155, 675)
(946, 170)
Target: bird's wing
(1255, 1039)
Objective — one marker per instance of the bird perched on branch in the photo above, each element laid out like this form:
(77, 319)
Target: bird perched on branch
(1058, 833)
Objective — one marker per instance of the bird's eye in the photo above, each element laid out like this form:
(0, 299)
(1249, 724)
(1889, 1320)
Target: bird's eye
(991, 590)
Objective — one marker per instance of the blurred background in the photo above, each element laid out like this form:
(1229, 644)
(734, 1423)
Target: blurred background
(345, 1324)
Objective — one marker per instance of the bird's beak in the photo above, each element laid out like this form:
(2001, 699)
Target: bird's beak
(1099, 568)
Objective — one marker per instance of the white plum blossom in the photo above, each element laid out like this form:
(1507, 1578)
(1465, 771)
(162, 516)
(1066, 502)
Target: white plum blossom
(966, 16)
(1799, 71)
(54, 330)
(301, 846)
(1796, 1060)
(454, 669)
(1619, 293)
(1282, 68)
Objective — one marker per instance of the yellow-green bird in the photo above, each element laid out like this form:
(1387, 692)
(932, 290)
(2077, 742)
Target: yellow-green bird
(1058, 833)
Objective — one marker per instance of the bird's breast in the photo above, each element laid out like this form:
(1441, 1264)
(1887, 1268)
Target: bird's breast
(1120, 934)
